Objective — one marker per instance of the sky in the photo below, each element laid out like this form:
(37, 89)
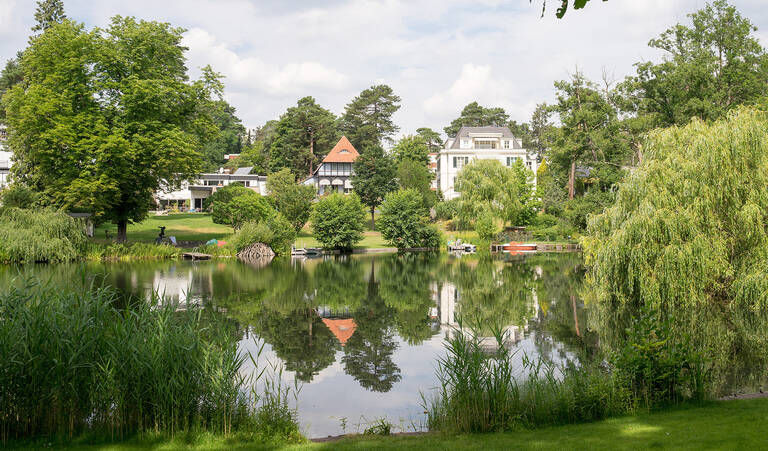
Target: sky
(437, 55)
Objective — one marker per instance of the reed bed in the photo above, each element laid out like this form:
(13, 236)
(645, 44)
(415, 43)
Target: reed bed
(482, 391)
(132, 251)
(79, 362)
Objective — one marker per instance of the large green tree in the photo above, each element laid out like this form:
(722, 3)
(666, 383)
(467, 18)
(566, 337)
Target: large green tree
(292, 199)
(709, 67)
(475, 115)
(47, 14)
(374, 177)
(412, 147)
(303, 136)
(105, 118)
(367, 119)
(229, 139)
(432, 138)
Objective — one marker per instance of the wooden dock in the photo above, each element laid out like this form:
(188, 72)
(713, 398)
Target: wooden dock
(196, 256)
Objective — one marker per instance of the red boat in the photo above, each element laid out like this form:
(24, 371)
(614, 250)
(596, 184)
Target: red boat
(518, 247)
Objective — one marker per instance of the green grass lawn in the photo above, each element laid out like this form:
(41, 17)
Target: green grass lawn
(717, 425)
(184, 226)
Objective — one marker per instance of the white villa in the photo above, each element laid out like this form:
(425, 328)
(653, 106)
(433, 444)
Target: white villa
(191, 195)
(471, 143)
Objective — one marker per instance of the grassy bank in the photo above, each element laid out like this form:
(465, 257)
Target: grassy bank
(714, 425)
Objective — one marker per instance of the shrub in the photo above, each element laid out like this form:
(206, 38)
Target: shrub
(28, 236)
(485, 226)
(338, 220)
(224, 195)
(18, 196)
(241, 209)
(446, 210)
(293, 200)
(274, 231)
(403, 220)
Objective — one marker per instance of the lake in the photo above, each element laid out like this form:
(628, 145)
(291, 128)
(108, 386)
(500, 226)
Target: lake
(361, 334)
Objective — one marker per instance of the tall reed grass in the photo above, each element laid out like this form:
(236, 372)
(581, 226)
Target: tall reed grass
(132, 251)
(482, 391)
(75, 362)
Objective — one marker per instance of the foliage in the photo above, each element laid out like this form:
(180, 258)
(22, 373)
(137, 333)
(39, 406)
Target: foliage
(486, 228)
(29, 236)
(242, 209)
(658, 367)
(374, 177)
(223, 195)
(403, 221)
(505, 192)
(432, 138)
(10, 75)
(412, 147)
(105, 118)
(292, 200)
(48, 13)
(560, 12)
(417, 176)
(18, 196)
(709, 67)
(367, 119)
(337, 221)
(228, 140)
(304, 134)
(274, 230)
(688, 227)
(447, 209)
(474, 115)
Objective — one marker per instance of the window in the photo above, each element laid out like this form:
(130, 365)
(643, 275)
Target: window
(511, 161)
(198, 203)
(465, 144)
(347, 190)
(459, 162)
(506, 144)
(485, 144)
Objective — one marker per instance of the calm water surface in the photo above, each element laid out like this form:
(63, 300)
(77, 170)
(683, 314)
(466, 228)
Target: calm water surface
(361, 334)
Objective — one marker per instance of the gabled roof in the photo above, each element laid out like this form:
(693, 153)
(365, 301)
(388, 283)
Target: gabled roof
(342, 152)
(341, 328)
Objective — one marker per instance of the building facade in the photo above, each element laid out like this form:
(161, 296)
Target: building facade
(481, 143)
(191, 195)
(335, 172)
(5, 158)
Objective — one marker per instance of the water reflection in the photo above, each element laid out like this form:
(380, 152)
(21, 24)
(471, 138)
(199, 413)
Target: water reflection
(363, 332)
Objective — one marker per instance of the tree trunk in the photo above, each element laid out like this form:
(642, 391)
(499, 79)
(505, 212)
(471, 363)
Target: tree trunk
(571, 180)
(575, 316)
(373, 221)
(122, 231)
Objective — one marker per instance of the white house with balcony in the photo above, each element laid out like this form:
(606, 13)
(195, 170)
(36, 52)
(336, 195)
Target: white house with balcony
(191, 195)
(482, 143)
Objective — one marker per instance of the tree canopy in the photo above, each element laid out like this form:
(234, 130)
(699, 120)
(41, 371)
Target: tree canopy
(105, 118)
(689, 225)
(292, 200)
(367, 119)
(304, 134)
(474, 115)
(374, 177)
(47, 14)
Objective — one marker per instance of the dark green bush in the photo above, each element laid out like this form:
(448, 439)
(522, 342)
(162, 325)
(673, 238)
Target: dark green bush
(18, 196)
(446, 210)
(338, 221)
(403, 221)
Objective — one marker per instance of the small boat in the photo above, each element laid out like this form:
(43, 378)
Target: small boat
(306, 251)
(313, 251)
(458, 246)
(518, 247)
(298, 251)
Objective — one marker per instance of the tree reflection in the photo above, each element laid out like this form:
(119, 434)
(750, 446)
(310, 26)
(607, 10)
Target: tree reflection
(368, 353)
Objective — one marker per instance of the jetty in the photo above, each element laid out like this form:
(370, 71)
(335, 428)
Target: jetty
(196, 256)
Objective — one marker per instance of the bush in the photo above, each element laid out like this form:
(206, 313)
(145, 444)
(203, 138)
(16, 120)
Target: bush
(28, 236)
(338, 221)
(18, 196)
(403, 220)
(224, 195)
(241, 209)
(274, 231)
(293, 200)
(485, 226)
(446, 210)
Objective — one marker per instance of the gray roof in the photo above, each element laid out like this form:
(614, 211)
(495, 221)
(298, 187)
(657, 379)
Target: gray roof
(243, 171)
(465, 131)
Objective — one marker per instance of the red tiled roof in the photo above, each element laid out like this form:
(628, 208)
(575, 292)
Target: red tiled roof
(341, 328)
(342, 152)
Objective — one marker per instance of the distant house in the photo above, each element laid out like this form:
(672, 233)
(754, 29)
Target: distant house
(335, 172)
(191, 195)
(5, 158)
(470, 143)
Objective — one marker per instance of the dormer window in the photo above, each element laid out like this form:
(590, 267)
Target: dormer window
(344, 151)
(465, 144)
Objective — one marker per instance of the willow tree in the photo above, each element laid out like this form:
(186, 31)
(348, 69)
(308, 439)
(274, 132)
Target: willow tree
(690, 225)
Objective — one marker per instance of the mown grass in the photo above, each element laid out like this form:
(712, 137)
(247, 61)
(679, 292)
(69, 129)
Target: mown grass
(184, 226)
(737, 424)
